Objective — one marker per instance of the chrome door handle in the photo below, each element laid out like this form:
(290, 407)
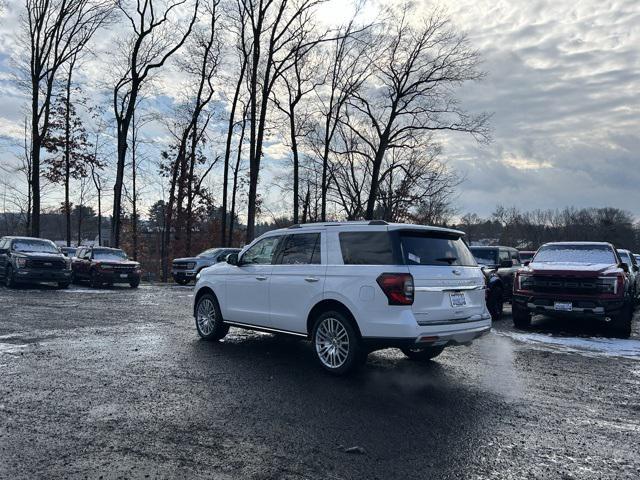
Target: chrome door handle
(311, 279)
(261, 278)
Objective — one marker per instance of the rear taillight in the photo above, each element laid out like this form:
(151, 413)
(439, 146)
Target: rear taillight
(398, 287)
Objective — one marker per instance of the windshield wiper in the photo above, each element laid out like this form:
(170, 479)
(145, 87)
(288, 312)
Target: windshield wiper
(449, 260)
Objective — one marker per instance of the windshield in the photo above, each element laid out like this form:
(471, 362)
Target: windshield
(485, 256)
(209, 253)
(624, 256)
(115, 255)
(435, 249)
(43, 246)
(585, 254)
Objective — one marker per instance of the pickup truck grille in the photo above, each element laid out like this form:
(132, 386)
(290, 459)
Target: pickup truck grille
(46, 264)
(568, 285)
(124, 268)
(183, 265)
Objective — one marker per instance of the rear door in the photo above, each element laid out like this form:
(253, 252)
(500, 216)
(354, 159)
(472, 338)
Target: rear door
(449, 286)
(297, 280)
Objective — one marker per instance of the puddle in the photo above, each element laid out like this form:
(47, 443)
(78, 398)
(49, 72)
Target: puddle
(589, 346)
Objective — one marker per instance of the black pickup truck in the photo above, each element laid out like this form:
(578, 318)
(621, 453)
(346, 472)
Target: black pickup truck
(31, 260)
(579, 279)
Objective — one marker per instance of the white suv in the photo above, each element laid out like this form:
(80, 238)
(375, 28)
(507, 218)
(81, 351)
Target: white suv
(352, 288)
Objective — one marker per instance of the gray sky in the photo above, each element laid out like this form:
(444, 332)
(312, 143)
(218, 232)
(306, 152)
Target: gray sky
(563, 84)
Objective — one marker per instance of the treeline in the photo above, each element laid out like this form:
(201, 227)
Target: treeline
(530, 229)
(353, 109)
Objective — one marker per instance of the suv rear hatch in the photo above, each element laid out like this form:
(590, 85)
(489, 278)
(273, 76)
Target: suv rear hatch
(449, 286)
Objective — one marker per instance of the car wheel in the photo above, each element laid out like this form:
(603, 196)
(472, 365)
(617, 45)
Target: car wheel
(93, 280)
(63, 285)
(521, 317)
(209, 321)
(495, 303)
(134, 283)
(337, 344)
(620, 326)
(422, 354)
(182, 281)
(9, 279)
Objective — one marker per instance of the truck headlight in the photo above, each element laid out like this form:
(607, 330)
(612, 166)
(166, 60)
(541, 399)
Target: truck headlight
(21, 262)
(198, 276)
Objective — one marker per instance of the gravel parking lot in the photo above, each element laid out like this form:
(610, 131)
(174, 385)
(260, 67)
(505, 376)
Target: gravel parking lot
(115, 383)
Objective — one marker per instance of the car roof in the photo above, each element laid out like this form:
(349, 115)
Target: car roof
(12, 237)
(491, 247)
(580, 243)
(364, 224)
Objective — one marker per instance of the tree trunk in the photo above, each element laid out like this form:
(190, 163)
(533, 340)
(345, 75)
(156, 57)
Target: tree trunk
(234, 191)
(35, 161)
(67, 154)
(294, 151)
(134, 219)
(117, 187)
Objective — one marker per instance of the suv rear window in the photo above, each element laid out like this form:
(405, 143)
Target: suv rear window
(433, 248)
(587, 254)
(366, 248)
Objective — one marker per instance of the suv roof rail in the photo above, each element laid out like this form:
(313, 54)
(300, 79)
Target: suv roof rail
(378, 222)
(297, 225)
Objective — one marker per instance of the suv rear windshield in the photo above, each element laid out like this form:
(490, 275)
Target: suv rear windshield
(586, 254)
(434, 248)
(44, 246)
(485, 256)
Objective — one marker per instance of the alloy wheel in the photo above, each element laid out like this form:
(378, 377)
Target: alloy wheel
(332, 343)
(206, 316)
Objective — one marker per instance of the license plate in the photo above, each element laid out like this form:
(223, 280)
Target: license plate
(563, 306)
(457, 299)
(123, 275)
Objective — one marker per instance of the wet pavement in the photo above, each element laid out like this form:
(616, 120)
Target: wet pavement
(115, 383)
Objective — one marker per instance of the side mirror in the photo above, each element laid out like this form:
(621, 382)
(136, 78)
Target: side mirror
(232, 259)
(624, 267)
(506, 264)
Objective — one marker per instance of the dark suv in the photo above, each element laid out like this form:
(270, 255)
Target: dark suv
(100, 265)
(500, 265)
(29, 260)
(575, 279)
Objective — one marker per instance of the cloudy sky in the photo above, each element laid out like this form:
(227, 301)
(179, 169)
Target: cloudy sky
(563, 84)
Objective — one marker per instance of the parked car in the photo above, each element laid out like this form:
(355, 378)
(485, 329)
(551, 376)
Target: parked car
(69, 252)
(185, 270)
(575, 279)
(31, 260)
(351, 288)
(627, 257)
(504, 262)
(526, 255)
(102, 265)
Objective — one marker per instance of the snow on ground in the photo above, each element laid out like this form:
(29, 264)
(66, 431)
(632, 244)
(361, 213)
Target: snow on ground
(588, 346)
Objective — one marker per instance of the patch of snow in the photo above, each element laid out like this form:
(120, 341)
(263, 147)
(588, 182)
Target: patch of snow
(589, 346)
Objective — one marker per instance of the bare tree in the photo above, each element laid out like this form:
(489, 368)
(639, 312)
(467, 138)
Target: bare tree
(412, 91)
(55, 32)
(154, 38)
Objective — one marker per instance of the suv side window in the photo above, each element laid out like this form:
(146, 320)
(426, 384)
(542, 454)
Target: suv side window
(262, 252)
(301, 249)
(503, 256)
(515, 258)
(366, 248)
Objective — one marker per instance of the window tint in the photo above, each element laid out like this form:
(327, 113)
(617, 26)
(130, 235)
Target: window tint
(301, 249)
(485, 256)
(432, 248)
(581, 254)
(504, 256)
(366, 248)
(262, 252)
(624, 256)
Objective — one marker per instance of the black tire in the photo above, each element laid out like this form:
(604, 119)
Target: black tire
(620, 326)
(93, 280)
(334, 326)
(9, 280)
(422, 354)
(134, 283)
(63, 285)
(521, 317)
(182, 281)
(209, 322)
(495, 303)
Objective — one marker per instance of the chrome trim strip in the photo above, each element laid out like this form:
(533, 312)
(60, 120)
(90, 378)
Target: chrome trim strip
(266, 329)
(595, 310)
(450, 288)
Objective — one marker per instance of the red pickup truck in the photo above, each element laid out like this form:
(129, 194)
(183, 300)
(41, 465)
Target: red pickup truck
(584, 279)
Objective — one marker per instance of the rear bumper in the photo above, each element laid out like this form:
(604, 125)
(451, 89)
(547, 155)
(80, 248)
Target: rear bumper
(41, 275)
(581, 306)
(449, 334)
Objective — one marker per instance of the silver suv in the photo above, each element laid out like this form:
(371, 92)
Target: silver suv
(351, 288)
(185, 269)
